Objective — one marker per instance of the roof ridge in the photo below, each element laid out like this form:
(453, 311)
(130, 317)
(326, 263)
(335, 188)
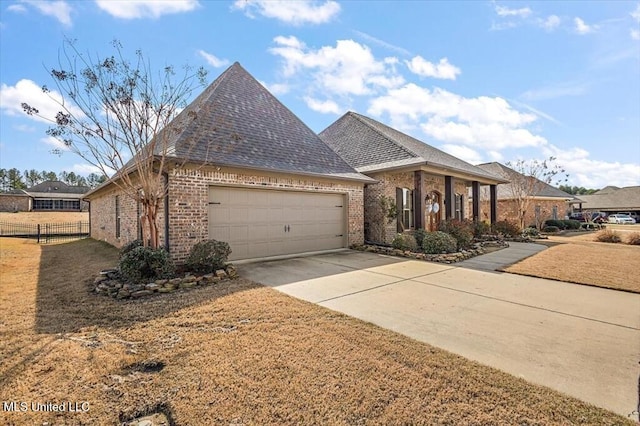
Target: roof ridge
(361, 118)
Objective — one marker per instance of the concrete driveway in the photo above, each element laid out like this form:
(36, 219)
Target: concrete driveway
(583, 341)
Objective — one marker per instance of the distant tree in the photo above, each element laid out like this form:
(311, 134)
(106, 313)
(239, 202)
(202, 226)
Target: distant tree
(32, 177)
(531, 177)
(119, 117)
(575, 190)
(15, 180)
(49, 176)
(94, 179)
(4, 180)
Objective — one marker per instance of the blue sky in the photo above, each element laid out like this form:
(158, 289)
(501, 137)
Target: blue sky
(483, 80)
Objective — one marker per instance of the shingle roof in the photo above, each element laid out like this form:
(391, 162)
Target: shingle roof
(505, 192)
(56, 187)
(620, 199)
(369, 145)
(239, 123)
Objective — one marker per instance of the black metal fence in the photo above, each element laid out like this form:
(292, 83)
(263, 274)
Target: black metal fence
(45, 232)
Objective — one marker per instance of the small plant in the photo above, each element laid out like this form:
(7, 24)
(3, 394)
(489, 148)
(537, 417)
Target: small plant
(506, 228)
(438, 242)
(419, 236)
(557, 223)
(551, 229)
(404, 242)
(531, 231)
(208, 256)
(608, 236)
(634, 239)
(129, 246)
(571, 224)
(481, 228)
(461, 230)
(142, 264)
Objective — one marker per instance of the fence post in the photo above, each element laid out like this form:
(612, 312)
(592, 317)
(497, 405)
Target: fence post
(38, 233)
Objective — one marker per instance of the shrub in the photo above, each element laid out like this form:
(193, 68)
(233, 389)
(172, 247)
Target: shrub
(481, 228)
(550, 229)
(506, 228)
(438, 242)
(404, 242)
(145, 264)
(419, 236)
(461, 230)
(553, 222)
(571, 224)
(208, 256)
(130, 246)
(634, 239)
(531, 231)
(608, 236)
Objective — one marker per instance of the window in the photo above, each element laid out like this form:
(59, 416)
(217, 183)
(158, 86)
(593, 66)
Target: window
(554, 213)
(404, 203)
(538, 213)
(459, 207)
(117, 216)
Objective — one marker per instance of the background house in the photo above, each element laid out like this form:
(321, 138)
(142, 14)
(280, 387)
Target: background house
(247, 171)
(46, 196)
(427, 185)
(611, 199)
(547, 202)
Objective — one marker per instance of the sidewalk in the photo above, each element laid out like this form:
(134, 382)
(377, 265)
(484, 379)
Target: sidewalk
(502, 258)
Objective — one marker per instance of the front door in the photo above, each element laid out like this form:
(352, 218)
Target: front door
(432, 211)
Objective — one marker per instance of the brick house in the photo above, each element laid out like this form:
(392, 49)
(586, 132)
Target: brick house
(425, 184)
(548, 202)
(246, 171)
(51, 195)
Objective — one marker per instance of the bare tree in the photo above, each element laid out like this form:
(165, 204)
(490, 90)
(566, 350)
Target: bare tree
(117, 115)
(530, 179)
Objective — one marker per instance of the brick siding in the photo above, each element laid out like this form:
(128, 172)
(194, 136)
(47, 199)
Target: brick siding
(14, 203)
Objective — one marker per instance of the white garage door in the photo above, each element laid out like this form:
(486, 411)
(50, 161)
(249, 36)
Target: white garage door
(263, 222)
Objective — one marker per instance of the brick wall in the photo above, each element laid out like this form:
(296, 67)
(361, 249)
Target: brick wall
(508, 210)
(188, 197)
(14, 203)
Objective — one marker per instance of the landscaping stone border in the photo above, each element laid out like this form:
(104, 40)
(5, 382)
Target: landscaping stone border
(478, 249)
(109, 283)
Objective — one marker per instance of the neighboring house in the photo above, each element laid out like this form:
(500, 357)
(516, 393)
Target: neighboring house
(611, 200)
(51, 195)
(546, 201)
(427, 185)
(246, 171)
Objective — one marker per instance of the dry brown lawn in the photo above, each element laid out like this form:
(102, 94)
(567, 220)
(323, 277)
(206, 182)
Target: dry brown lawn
(578, 259)
(44, 217)
(235, 353)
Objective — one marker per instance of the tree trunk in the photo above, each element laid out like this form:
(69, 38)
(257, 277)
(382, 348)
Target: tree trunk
(151, 214)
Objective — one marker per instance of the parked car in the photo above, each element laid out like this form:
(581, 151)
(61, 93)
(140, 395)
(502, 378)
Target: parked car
(621, 218)
(597, 217)
(633, 215)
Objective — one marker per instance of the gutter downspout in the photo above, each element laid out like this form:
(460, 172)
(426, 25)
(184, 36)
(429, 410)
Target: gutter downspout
(166, 213)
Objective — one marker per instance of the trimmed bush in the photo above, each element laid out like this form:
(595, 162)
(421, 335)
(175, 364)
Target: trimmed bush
(553, 222)
(634, 239)
(404, 242)
(419, 236)
(506, 228)
(461, 230)
(531, 231)
(142, 264)
(438, 242)
(130, 246)
(571, 224)
(208, 256)
(608, 236)
(481, 228)
(550, 229)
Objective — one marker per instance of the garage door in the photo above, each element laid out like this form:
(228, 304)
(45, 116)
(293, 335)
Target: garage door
(262, 223)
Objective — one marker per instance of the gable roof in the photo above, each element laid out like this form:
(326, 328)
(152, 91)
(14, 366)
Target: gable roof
(504, 190)
(620, 199)
(239, 123)
(55, 187)
(369, 145)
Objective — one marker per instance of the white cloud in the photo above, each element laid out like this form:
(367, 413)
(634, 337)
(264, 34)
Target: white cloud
(349, 68)
(551, 23)
(636, 13)
(443, 69)
(485, 122)
(17, 8)
(291, 12)
(213, 60)
(590, 173)
(55, 143)
(324, 107)
(557, 91)
(12, 97)
(136, 9)
(635, 34)
(58, 9)
(504, 11)
(463, 152)
(276, 88)
(582, 28)
(502, 26)
(382, 43)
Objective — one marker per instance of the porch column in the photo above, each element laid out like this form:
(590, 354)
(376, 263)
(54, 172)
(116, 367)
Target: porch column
(449, 198)
(418, 200)
(475, 194)
(493, 195)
